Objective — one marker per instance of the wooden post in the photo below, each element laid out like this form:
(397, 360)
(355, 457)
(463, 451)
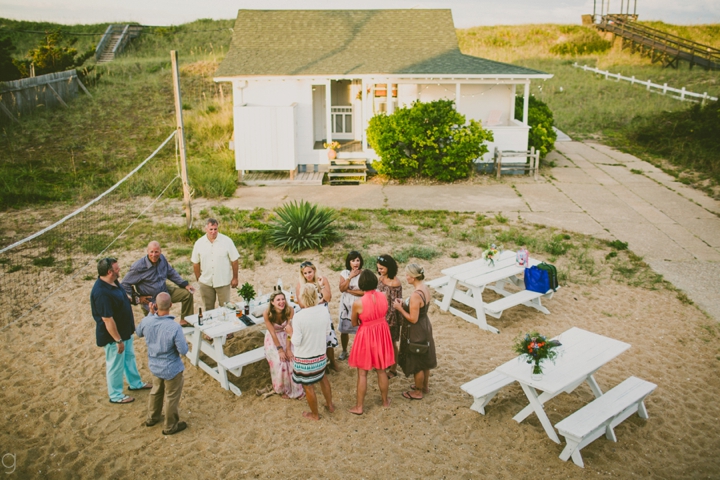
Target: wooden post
(536, 160)
(8, 113)
(180, 138)
(83, 86)
(498, 162)
(57, 95)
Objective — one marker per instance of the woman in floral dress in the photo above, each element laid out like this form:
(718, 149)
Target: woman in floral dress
(390, 285)
(278, 349)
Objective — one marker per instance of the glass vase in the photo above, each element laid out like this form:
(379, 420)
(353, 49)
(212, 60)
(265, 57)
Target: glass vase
(537, 372)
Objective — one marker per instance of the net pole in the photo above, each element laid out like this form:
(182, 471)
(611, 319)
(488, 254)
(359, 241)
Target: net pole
(180, 129)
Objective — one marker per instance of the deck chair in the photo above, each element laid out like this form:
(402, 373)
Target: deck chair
(494, 118)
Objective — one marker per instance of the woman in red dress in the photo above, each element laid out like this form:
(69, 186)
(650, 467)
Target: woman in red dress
(373, 347)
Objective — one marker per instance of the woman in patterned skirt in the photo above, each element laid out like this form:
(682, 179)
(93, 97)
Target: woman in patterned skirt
(390, 285)
(308, 274)
(309, 330)
(278, 349)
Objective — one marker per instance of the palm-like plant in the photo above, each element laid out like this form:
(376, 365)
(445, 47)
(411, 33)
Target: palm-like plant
(302, 225)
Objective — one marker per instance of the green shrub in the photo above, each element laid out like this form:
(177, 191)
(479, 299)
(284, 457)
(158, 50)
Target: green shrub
(416, 251)
(582, 42)
(303, 225)
(540, 118)
(427, 139)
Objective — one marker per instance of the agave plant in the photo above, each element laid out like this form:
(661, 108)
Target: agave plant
(303, 225)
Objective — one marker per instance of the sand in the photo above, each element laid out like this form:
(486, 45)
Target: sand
(57, 422)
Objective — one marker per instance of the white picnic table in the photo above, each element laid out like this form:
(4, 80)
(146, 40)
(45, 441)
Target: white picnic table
(581, 355)
(217, 325)
(465, 284)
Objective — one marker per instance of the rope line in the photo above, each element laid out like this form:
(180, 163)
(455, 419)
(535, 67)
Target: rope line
(91, 261)
(89, 204)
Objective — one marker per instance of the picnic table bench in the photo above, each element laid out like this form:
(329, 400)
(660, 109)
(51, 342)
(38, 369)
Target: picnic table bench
(602, 415)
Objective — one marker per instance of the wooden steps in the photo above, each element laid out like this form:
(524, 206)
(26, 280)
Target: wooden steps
(347, 171)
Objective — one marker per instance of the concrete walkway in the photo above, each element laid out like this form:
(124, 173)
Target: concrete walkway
(593, 190)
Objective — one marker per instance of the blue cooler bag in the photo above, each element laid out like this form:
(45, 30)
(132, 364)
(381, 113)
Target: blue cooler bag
(537, 280)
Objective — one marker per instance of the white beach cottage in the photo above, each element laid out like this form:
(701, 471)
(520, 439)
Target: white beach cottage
(302, 78)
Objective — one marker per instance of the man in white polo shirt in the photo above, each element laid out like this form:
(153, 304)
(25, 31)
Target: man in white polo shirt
(215, 262)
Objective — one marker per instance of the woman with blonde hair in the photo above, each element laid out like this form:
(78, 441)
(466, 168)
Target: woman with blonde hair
(417, 346)
(278, 349)
(309, 275)
(310, 327)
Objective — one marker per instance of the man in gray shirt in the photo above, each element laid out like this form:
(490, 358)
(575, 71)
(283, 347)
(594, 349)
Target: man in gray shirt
(148, 277)
(165, 343)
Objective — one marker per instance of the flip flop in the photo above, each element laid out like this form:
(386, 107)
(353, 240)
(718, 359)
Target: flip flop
(391, 374)
(146, 386)
(125, 399)
(410, 397)
(413, 387)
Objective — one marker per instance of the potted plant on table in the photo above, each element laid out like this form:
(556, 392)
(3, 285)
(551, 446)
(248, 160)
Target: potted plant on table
(247, 292)
(332, 149)
(534, 348)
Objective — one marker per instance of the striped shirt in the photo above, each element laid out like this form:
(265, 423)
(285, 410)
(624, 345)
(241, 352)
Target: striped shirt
(165, 343)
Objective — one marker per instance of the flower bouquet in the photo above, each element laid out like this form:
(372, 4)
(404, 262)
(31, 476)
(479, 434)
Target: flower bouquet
(332, 145)
(535, 348)
(491, 254)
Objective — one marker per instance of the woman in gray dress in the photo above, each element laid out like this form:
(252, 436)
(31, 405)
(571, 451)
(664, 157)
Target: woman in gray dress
(416, 331)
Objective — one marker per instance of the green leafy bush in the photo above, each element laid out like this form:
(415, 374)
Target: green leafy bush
(301, 226)
(582, 42)
(54, 54)
(540, 118)
(427, 139)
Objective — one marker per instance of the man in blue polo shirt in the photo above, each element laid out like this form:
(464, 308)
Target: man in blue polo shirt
(114, 330)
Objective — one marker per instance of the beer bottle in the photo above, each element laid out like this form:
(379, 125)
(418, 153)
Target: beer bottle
(200, 317)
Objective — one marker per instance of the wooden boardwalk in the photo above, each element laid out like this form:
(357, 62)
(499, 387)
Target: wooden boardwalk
(258, 179)
(660, 46)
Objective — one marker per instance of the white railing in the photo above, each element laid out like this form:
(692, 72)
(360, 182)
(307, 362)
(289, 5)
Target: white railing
(682, 93)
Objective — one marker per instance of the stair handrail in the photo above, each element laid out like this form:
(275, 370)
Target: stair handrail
(659, 33)
(614, 23)
(103, 42)
(123, 40)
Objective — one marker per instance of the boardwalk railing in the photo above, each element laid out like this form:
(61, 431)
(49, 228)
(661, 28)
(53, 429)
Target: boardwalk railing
(682, 93)
(102, 45)
(660, 46)
(22, 97)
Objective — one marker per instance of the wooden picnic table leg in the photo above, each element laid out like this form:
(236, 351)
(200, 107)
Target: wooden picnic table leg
(220, 355)
(597, 391)
(194, 353)
(544, 397)
(449, 291)
(480, 310)
(540, 412)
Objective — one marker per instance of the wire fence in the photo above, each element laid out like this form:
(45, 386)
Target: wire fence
(682, 93)
(35, 268)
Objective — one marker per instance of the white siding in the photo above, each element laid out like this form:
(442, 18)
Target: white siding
(478, 101)
(264, 138)
(407, 94)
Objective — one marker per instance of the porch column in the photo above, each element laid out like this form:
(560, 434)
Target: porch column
(526, 102)
(457, 96)
(390, 105)
(365, 113)
(513, 92)
(328, 111)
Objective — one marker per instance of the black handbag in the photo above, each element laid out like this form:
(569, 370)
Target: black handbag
(418, 348)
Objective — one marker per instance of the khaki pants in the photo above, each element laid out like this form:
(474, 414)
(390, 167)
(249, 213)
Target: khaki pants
(165, 392)
(178, 295)
(209, 294)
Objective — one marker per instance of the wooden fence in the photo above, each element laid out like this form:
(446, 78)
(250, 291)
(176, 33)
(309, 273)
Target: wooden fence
(25, 96)
(682, 93)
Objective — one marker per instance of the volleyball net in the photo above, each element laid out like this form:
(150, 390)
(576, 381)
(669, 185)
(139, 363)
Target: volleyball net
(35, 268)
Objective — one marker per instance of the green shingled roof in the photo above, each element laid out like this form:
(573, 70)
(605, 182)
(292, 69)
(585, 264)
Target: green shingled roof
(352, 42)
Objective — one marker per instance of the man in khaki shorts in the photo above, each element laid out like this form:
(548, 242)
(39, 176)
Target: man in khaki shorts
(215, 262)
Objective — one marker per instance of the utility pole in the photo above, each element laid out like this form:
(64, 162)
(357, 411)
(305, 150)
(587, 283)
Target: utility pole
(180, 138)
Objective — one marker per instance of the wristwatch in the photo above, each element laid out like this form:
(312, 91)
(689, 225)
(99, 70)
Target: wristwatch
(119, 341)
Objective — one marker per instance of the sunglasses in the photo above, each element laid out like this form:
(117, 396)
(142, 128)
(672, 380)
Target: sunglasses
(381, 259)
(306, 264)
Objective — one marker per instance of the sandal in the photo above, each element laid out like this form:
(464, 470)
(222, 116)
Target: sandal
(145, 386)
(391, 374)
(125, 399)
(410, 397)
